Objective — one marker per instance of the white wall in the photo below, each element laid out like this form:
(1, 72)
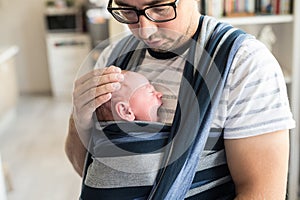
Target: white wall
(22, 24)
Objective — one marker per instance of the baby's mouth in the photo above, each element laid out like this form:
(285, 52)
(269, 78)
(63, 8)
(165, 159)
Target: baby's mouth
(161, 113)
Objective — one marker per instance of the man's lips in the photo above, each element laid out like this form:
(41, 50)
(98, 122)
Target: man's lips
(153, 43)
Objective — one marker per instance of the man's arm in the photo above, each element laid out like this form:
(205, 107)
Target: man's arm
(259, 165)
(74, 148)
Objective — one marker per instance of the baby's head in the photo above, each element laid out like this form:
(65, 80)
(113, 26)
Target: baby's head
(137, 99)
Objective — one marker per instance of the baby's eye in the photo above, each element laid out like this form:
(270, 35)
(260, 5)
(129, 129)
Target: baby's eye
(151, 91)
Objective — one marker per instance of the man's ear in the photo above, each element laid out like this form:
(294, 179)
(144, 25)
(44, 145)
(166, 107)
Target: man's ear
(124, 111)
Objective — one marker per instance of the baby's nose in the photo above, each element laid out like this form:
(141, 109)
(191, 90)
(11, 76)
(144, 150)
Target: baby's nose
(159, 95)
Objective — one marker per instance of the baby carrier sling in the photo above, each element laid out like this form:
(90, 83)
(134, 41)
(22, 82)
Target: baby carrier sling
(200, 90)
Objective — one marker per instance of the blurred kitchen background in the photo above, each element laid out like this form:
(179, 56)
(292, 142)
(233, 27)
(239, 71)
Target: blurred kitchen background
(43, 43)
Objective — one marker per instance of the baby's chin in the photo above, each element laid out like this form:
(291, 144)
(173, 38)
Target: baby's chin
(155, 114)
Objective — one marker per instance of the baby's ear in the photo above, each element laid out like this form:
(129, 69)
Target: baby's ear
(124, 111)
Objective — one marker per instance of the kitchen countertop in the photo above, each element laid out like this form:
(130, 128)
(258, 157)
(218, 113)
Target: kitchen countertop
(7, 52)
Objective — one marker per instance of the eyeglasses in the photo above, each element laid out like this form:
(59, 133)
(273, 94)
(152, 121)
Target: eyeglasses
(156, 13)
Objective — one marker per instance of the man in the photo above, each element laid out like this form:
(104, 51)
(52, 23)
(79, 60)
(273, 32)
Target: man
(253, 111)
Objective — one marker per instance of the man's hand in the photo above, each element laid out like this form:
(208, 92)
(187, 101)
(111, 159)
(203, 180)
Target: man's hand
(90, 91)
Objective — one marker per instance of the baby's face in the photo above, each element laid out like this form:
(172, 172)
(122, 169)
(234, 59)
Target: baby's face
(143, 99)
(145, 102)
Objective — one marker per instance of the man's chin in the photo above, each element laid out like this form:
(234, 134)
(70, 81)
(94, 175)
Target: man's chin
(161, 47)
(158, 50)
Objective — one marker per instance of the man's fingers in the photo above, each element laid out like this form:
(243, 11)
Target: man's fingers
(94, 104)
(86, 111)
(92, 90)
(97, 73)
(96, 92)
(98, 81)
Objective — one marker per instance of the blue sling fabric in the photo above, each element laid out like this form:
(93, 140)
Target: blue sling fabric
(176, 178)
(127, 136)
(200, 90)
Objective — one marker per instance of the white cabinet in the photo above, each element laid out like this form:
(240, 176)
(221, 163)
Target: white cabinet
(286, 29)
(66, 52)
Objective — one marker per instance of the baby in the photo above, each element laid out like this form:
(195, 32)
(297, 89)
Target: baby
(115, 142)
(137, 99)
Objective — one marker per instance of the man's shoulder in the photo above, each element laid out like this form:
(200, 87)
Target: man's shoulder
(252, 48)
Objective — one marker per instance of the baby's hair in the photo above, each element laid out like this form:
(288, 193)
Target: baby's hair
(104, 112)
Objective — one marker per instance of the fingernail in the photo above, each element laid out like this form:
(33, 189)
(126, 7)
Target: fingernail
(116, 85)
(117, 69)
(120, 77)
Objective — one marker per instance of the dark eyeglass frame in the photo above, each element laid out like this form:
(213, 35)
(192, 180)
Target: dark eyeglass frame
(142, 12)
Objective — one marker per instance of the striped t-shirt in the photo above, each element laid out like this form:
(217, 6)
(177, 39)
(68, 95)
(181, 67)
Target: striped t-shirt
(254, 91)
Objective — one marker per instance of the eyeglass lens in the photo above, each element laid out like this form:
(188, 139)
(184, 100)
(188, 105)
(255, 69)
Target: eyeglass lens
(156, 13)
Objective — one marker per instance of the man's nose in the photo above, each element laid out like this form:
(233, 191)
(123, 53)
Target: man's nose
(146, 27)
